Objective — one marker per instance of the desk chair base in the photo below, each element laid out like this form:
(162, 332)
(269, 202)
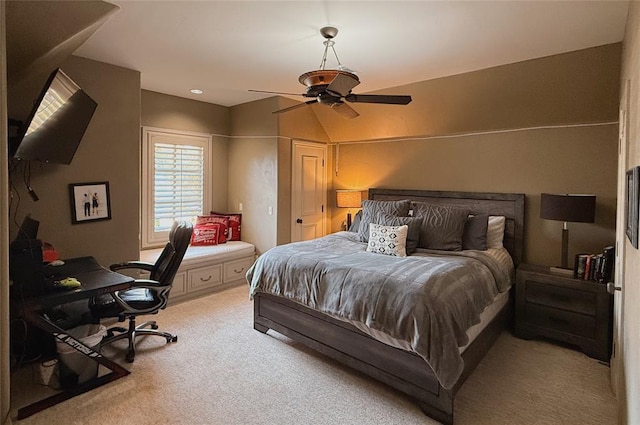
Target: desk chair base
(133, 332)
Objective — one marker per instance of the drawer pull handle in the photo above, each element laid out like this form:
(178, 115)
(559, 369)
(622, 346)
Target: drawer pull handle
(238, 271)
(206, 280)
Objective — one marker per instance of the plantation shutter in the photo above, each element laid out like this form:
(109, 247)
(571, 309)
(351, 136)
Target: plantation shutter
(176, 180)
(179, 184)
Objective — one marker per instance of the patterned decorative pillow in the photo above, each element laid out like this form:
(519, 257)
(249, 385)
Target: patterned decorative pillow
(441, 227)
(371, 208)
(235, 220)
(210, 219)
(205, 234)
(413, 233)
(388, 240)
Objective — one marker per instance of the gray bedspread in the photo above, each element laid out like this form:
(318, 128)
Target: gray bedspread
(422, 303)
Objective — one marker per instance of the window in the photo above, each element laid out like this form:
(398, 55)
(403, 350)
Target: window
(175, 180)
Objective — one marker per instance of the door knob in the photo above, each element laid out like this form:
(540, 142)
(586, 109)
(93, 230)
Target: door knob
(299, 221)
(612, 288)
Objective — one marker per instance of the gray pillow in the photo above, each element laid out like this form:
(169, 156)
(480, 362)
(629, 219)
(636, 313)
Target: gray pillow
(475, 232)
(355, 224)
(413, 233)
(441, 226)
(371, 208)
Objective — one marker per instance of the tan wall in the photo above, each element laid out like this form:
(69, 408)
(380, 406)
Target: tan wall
(109, 151)
(512, 105)
(530, 162)
(260, 166)
(253, 171)
(630, 391)
(570, 88)
(177, 113)
(253, 182)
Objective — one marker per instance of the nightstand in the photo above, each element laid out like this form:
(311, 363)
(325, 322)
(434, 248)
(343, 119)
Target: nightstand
(574, 311)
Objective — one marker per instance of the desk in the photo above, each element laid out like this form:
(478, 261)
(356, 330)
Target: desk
(96, 280)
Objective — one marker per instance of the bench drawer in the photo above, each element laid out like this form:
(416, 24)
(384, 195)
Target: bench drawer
(205, 277)
(236, 270)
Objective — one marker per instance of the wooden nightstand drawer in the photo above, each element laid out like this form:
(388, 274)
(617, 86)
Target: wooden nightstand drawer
(560, 297)
(575, 311)
(560, 320)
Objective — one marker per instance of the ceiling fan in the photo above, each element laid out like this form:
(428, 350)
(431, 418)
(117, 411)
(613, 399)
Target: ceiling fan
(332, 87)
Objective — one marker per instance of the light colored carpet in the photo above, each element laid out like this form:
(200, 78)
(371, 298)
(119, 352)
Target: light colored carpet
(221, 371)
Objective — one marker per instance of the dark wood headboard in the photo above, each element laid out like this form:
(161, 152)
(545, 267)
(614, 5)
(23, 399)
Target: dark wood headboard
(510, 205)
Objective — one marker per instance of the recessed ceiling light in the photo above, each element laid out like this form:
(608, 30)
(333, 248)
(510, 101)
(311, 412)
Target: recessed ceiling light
(196, 91)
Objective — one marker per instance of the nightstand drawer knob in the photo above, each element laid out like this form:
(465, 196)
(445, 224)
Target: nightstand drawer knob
(612, 288)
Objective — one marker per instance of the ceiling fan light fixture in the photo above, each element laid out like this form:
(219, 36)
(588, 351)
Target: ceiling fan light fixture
(331, 87)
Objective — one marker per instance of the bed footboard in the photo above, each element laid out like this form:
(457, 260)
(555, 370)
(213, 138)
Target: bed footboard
(343, 342)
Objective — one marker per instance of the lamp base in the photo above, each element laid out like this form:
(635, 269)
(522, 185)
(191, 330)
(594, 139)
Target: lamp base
(561, 271)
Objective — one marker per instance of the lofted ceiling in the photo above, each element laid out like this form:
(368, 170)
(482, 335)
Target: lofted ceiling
(226, 48)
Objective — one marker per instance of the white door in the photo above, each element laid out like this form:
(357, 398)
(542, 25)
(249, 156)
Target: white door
(618, 328)
(308, 187)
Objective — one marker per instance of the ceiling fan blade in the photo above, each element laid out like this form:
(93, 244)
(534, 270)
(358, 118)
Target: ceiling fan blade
(345, 110)
(342, 84)
(291, 108)
(379, 98)
(276, 92)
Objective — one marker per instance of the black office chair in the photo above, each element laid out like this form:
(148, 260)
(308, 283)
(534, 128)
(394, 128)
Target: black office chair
(147, 296)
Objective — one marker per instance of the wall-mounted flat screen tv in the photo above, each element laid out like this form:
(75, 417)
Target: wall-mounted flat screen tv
(57, 122)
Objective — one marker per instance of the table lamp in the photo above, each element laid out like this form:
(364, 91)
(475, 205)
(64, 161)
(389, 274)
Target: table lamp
(573, 208)
(348, 199)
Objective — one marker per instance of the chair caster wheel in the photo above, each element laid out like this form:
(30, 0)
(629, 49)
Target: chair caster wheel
(154, 326)
(175, 338)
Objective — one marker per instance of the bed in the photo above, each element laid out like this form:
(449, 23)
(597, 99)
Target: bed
(384, 355)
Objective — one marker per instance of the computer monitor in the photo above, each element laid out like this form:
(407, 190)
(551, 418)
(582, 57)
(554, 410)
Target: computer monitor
(26, 267)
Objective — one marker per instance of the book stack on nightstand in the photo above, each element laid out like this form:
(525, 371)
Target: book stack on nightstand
(564, 308)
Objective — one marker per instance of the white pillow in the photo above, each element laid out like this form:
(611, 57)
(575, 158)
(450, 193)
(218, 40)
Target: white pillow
(388, 240)
(495, 231)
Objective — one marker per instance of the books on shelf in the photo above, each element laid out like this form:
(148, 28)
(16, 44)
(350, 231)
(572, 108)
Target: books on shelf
(596, 267)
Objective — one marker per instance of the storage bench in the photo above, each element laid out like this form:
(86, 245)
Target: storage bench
(207, 269)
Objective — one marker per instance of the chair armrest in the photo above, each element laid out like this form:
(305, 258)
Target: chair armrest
(149, 284)
(162, 294)
(132, 265)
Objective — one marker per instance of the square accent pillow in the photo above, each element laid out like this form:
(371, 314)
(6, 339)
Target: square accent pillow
(495, 231)
(441, 226)
(235, 222)
(371, 208)
(205, 234)
(388, 240)
(475, 232)
(413, 232)
(210, 219)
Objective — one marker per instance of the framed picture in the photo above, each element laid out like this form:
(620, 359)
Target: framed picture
(631, 205)
(89, 202)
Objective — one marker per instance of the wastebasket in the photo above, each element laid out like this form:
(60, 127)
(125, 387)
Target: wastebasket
(75, 367)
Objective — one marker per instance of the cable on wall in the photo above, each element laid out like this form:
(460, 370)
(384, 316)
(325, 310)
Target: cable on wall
(478, 133)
